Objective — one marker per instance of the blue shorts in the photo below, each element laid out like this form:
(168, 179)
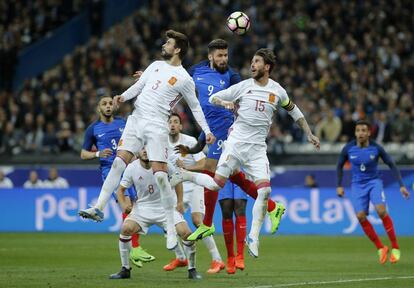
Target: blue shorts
(231, 191)
(130, 192)
(363, 193)
(215, 149)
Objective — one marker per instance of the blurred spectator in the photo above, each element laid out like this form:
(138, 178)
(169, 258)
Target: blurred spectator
(50, 141)
(329, 128)
(64, 137)
(333, 58)
(33, 181)
(5, 182)
(54, 180)
(310, 181)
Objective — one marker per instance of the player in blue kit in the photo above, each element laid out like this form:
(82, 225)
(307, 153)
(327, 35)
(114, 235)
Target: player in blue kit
(367, 186)
(211, 76)
(104, 134)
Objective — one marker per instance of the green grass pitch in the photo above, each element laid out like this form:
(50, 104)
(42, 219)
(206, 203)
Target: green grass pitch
(86, 260)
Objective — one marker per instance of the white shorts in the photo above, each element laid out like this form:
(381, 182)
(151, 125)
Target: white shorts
(251, 157)
(145, 217)
(194, 198)
(141, 132)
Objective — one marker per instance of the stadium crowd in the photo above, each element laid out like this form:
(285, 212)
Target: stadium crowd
(340, 62)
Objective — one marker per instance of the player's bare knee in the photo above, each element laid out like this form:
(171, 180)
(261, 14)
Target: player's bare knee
(382, 213)
(362, 216)
(127, 230)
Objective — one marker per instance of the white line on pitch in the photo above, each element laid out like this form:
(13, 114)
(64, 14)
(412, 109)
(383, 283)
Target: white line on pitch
(332, 282)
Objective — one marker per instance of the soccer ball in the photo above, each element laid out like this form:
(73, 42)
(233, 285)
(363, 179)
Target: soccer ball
(238, 22)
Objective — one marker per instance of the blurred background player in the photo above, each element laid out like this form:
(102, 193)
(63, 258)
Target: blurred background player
(193, 194)
(5, 182)
(159, 88)
(54, 180)
(147, 211)
(104, 135)
(367, 186)
(33, 181)
(245, 147)
(211, 76)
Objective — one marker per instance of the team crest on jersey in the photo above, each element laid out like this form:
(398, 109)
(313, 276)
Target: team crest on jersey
(272, 98)
(172, 81)
(372, 157)
(222, 82)
(121, 129)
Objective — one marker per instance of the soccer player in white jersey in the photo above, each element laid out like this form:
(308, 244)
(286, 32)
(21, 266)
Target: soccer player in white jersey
(159, 88)
(256, 100)
(193, 194)
(145, 212)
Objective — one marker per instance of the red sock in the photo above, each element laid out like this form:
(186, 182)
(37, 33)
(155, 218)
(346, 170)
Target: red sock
(250, 188)
(372, 235)
(210, 200)
(228, 231)
(389, 228)
(240, 233)
(135, 237)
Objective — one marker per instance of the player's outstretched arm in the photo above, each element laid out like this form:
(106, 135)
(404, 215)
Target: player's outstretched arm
(339, 171)
(299, 118)
(390, 162)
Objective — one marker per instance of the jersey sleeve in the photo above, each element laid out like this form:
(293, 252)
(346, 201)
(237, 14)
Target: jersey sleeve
(285, 101)
(343, 157)
(137, 87)
(89, 139)
(127, 180)
(188, 92)
(230, 94)
(390, 162)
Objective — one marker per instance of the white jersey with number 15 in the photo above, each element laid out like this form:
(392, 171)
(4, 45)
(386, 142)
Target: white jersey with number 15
(255, 106)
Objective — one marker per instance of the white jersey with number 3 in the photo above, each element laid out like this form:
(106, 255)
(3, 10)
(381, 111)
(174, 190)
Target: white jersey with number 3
(255, 108)
(159, 89)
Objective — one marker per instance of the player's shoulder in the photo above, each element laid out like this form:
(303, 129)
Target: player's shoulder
(350, 144)
(119, 120)
(373, 143)
(200, 65)
(187, 138)
(92, 126)
(276, 85)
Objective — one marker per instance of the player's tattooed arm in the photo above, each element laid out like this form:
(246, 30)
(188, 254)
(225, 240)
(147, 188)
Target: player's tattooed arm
(303, 124)
(226, 104)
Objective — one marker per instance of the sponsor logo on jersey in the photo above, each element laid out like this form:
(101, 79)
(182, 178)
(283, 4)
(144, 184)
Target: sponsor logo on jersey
(199, 78)
(249, 92)
(172, 81)
(100, 135)
(272, 98)
(353, 156)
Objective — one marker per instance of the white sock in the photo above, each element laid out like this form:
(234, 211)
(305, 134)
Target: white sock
(111, 182)
(190, 251)
(179, 250)
(167, 199)
(259, 212)
(124, 247)
(212, 248)
(201, 179)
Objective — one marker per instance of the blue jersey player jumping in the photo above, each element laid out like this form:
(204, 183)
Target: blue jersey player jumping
(363, 154)
(104, 134)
